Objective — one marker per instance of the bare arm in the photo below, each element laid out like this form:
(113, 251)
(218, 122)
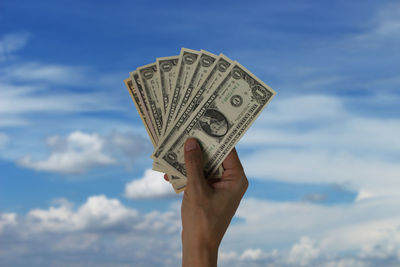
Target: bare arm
(208, 206)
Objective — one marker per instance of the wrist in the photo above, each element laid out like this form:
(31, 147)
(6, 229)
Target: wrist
(199, 253)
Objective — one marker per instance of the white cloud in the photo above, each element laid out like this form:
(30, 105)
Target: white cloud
(271, 234)
(250, 257)
(75, 154)
(363, 195)
(37, 87)
(18, 100)
(303, 252)
(90, 233)
(152, 184)
(44, 73)
(7, 219)
(315, 139)
(323, 166)
(99, 212)
(79, 152)
(335, 229)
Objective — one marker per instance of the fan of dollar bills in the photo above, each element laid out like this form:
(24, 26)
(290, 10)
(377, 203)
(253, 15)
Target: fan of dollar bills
(196, 94)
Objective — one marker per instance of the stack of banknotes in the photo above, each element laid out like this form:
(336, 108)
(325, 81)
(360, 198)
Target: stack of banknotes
(195, 94)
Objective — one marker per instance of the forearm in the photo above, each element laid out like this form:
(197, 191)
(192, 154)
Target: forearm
(199, 255)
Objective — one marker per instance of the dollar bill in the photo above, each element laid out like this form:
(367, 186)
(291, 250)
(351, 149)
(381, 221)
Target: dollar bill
(148, 79)
(167, 75)
(219, 121)
(203, 68)
(141, 105)
(219, 70)
(142, 110)
(188, 59)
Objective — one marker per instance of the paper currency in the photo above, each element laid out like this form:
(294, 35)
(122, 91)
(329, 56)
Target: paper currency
(219, 121)
(167, 76)
(142, 110)
(196, 94)
(148, 78)
(219, 70)
(202, 69)
(187, 63)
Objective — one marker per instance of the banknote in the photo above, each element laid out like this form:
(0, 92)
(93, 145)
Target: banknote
(203, 68)
(220, 69)
(188, 59)
(148, 79)
(219, 121)
(143, 113)
(178, 183)
(167, 75)
(196, 94)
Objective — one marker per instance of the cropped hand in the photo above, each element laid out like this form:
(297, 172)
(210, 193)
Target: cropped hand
(208, 205)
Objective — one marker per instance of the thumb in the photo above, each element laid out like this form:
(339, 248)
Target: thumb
(194, 165)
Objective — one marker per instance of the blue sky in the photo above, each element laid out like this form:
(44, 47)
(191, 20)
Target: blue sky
(322, 160)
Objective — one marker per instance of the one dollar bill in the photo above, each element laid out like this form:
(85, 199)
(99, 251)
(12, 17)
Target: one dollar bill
(186, 66)
(219, 121)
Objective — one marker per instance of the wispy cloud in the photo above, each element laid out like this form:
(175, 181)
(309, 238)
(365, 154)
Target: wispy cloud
(385, 26)
(3, 140)
(36, 87)
(44, 73)
(10, 43)
(316, 139)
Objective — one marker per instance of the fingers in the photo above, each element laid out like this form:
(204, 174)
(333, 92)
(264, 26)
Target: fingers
(194, 165)
(166, 178)
(232, 162)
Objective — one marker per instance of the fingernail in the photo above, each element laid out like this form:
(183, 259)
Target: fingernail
(191, 144)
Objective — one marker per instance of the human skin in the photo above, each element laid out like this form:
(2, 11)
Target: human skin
(208, 206)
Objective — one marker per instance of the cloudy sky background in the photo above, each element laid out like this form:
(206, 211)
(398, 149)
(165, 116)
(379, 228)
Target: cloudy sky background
(323, 160)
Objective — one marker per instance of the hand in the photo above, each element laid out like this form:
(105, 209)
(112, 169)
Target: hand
(208, 206)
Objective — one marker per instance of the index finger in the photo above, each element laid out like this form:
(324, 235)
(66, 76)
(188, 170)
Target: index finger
(232, 162)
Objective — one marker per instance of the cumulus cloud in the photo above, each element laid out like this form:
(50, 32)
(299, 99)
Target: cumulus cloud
(98, 213)
(90, 233)
(105, 231)
(365, 233)
(303, 252)
(7, 219)
(80, 152)
(329, 229)
(75, 154)
(152, 184)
